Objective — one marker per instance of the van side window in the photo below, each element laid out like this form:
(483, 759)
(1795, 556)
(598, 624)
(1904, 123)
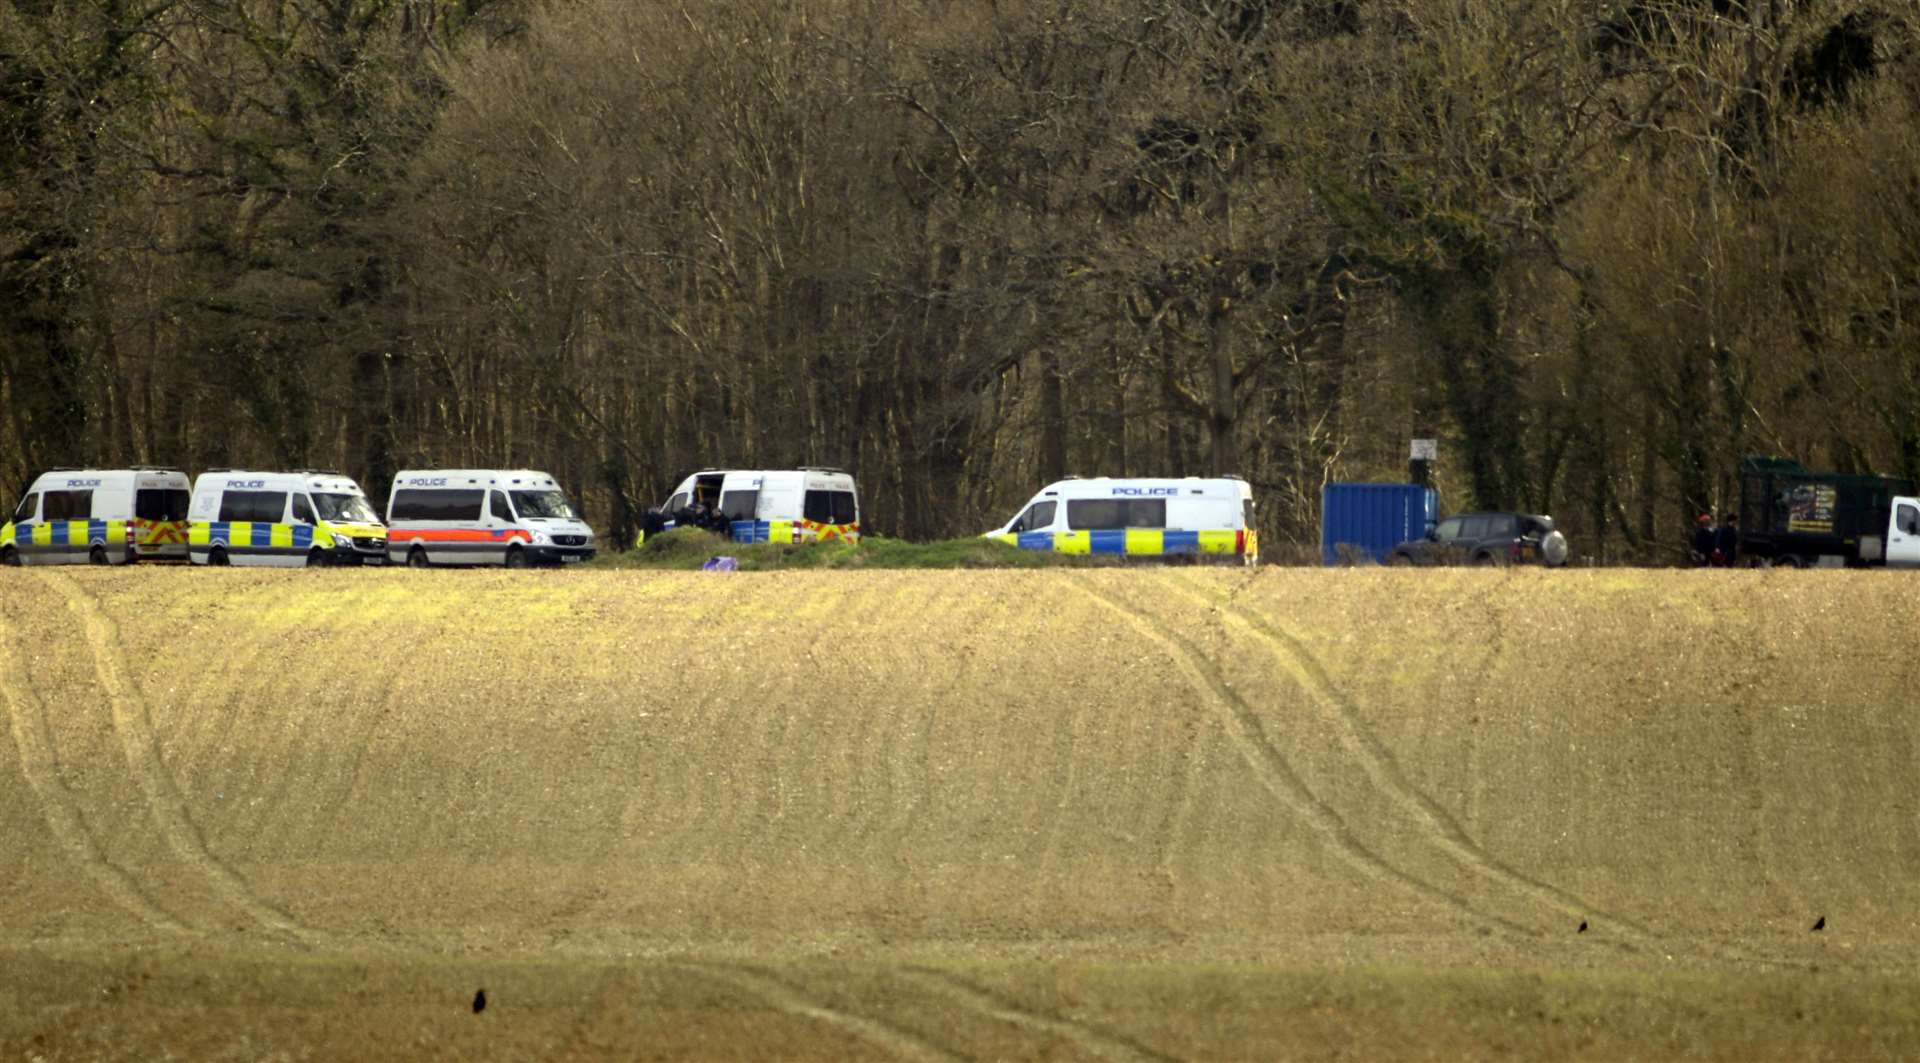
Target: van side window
(497, 501)
(462, 504)
(160, 504)
(303, 510)
(26, 510)
(740, 505)
(676, 503)
(1108, 513)
(829, 507)
(257, 507)
(1909, 520)
(67, 505)
(407, 505)
(1096, 513)
(1246, 512)
(1041, 515)
(1476, 527)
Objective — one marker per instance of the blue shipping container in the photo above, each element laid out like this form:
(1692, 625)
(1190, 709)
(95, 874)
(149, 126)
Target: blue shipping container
(1373, 517)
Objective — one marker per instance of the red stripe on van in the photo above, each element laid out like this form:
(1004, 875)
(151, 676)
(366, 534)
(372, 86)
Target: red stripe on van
(454, 535)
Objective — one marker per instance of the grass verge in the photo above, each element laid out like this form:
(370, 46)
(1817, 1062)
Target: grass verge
(690, 548)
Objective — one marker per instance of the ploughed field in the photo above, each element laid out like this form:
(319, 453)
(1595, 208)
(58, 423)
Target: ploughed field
(1115, 814)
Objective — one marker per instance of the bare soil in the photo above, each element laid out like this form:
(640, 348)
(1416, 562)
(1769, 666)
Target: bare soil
(1114, 814)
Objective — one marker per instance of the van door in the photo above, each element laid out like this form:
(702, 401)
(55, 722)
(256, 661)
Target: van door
(1903, 539)
(458, 531)
(740, 505)
(1033, 529)
(501, 526)
(248, 516)
(65, 516)
(23, 517)
(160, 520)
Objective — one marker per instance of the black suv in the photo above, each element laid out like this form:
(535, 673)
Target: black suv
(1486, 539)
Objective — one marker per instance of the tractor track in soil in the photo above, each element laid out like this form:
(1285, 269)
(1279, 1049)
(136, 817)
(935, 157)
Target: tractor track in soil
(142, 753)
(1276, 772)
(40, 762)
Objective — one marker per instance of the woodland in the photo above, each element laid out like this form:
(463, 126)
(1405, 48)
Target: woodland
(1599, 250)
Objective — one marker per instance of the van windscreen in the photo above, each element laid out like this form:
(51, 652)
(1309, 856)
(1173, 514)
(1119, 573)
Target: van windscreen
(830, 507)
(1098, 514)
(458, 504)
(344, 508)
(542, 505)
(160, 504)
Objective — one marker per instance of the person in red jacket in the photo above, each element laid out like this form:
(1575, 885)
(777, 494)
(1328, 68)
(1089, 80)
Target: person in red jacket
(1705, 539)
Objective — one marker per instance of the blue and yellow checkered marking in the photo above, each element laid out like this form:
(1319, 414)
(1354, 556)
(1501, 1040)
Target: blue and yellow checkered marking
(255, 537)
(1135, 542)
(64, 534)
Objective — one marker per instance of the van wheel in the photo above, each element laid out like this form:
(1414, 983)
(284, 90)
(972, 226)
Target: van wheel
(10, 557)
(316, 558)
(1482, 559)
(217, 557)
(1399, 560)
(97, 555)
(516, 558)
(417, 558)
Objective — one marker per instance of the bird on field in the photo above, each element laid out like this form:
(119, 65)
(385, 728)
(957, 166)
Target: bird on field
(1583, 927)
(480, 1002)
(1820, 923)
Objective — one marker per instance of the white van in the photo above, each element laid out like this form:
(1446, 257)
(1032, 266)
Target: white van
(99, 517)
(511, 517)
(284, 519)
(772, 505)
(1139, 518)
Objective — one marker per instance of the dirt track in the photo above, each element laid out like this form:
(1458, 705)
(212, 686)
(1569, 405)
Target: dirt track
(1105, 814)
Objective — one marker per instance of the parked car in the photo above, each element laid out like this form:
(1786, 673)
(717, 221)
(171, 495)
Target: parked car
(1486, 539)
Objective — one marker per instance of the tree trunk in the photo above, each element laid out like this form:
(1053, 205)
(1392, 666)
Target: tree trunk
(1225, 456)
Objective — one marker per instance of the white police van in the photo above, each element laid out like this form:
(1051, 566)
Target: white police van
(99, 517)
(283, 519)
(1204, 518)
(774, 505)
(511, 517)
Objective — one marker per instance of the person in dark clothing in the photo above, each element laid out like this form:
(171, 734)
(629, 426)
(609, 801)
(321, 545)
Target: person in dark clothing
(1704, 540)
(652, 523)
(1726, 541)
(695, 514)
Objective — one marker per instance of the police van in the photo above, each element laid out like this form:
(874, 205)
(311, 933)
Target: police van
(511, 517)
(1204, 518)
(773, 505)
(284, 519)
(99, 517)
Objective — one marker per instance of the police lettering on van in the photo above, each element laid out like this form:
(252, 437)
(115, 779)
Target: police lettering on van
(511, 517)
(283, 519)
(1204, 518)
(100, 517)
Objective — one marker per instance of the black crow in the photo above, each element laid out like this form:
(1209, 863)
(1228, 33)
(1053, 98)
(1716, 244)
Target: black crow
(480, 1002)
(1820, 923)
(1583, 927)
